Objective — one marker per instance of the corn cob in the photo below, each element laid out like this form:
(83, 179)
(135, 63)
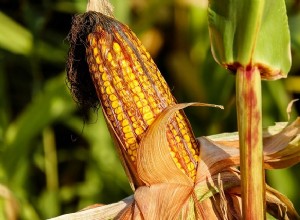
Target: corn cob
(133, 92)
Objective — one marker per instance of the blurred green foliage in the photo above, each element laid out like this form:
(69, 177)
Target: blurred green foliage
(51, 160)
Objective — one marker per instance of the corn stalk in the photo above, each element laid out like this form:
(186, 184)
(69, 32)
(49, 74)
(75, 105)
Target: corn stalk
(251, 38)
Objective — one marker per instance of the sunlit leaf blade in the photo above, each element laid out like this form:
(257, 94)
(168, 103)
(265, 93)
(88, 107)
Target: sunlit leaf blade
(14, 37)
(241, 37)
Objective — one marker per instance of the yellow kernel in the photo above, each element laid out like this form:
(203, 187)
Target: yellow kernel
(176, 161)
(148, 116)
(124, 63)
(109, 57)
(139, 70)
(146, 109)
(148, 55)
(98, 60)
(186, 159)
(95, 51)
(136, 98)
(120, 116)
(109, 90)
(187, 138)
(150, 121)
(172, 153)
(190, 166)
(112, 97)
(127, 70)
(118, 110)
(131, 141)
(133, 146)
(115, 104)
(156, 111)
(119, 86)
(126, 129)
(116, 79)
(129, 135)
(141, 95)
(137, 90)
(139, 104)
(193, 152)
(116, 47)
(177, 138)
(144, 102)
(133, 119)
(125, 122)
(139, 131)
(114, 64)
(101, 68)
(106, 83)
(131, 76)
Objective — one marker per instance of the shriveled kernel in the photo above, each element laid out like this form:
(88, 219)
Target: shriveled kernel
(132, 158)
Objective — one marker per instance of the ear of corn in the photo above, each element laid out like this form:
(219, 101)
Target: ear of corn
(133, 92)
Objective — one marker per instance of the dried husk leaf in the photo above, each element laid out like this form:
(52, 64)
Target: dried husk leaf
(215, 157)
(154, 161)
(281, 149)
(212, 185)
(103, 6)
(278, 205)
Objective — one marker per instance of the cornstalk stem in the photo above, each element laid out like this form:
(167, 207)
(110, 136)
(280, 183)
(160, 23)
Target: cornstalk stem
(248, 90)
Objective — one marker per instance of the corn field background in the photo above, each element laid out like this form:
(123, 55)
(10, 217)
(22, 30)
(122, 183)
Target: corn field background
(52, 160)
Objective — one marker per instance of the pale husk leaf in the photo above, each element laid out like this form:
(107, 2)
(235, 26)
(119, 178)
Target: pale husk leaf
(162, 201)
(105, 212)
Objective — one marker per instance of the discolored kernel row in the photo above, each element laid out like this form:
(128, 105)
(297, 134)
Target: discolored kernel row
(133, 92)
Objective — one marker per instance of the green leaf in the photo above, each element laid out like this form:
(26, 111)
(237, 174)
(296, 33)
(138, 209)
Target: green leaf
(52, 104)
(252, 33)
